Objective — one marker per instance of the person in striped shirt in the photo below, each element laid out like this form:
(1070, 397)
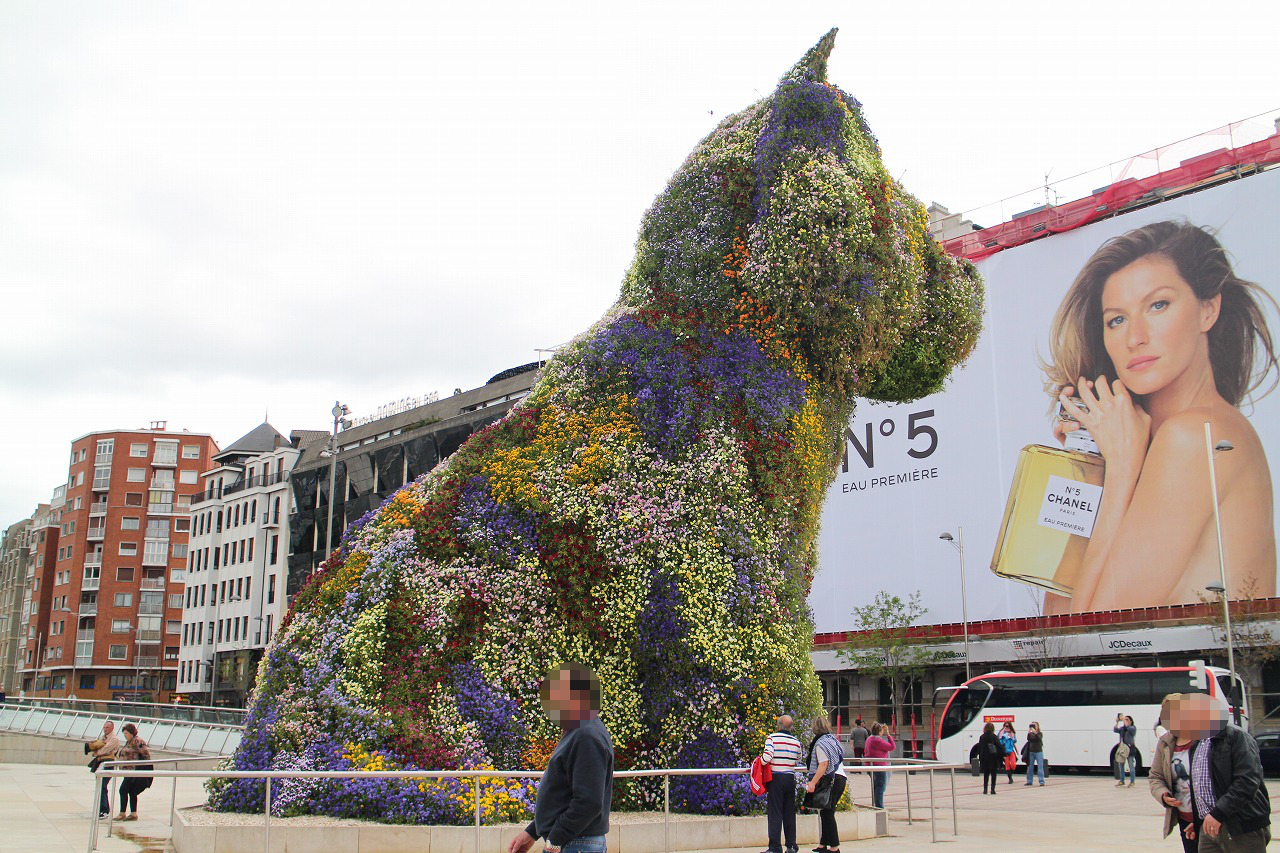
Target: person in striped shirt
(782, 752)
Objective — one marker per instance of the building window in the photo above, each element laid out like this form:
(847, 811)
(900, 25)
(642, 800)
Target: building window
(119, 682)
(124, 599)
(166, 453)
(138, 450)
(120, 626)
(133, 498)
(106, 447)
(275, 547)
(120, 652)
(80, 479)
(175, 599)
(188, 476)
(101, 476)
(86, 681)
(180, 550)
(137, 475)
(130, 522)
(181, 525)
(190, 451)
(128, 549)
(124, 573)
(171, 652)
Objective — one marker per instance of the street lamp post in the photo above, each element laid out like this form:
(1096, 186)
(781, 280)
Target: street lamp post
(1210, 450)
(338, 412)
(957, 542)
(213, 638)
(71, 686)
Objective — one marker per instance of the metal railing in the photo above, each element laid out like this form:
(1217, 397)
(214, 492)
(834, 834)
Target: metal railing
(62, 718)
(479, 776)
(112, 796)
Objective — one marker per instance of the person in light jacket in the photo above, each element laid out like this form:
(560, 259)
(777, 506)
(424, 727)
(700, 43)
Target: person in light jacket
(1170, 778)
(1127, 731)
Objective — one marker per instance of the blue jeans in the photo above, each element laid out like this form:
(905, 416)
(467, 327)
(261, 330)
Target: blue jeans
(585, 844)
(879, 781)
(105, 805)
(1130, 766)
(1035, 760)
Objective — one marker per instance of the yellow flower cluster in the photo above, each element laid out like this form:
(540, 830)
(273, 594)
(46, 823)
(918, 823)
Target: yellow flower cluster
(583, 443)
(366, 760)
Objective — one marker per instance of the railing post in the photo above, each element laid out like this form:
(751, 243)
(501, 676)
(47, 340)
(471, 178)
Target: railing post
(173, 800)
(266, 820)
(112, 798)
(955, 821)
(476, 792)
(99, 781)
(666, 811)
(933, 821)
(907, 776)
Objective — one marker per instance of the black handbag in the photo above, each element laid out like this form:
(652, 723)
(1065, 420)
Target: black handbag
(820, 798)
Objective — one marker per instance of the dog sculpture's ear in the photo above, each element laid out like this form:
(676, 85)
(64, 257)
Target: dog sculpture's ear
(813, 65)
(920, 363)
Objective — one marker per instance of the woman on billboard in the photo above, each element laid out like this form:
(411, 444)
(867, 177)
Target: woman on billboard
(1156, 337)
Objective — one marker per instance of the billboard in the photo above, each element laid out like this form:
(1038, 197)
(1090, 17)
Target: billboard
(1136, 530)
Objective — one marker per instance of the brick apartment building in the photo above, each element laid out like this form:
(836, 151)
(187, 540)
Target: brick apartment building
(107, 597)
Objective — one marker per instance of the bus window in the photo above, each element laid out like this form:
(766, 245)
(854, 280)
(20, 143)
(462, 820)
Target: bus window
(1128, 688)
(965, 705)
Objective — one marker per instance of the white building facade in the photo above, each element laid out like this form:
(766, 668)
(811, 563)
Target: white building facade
(236, 568)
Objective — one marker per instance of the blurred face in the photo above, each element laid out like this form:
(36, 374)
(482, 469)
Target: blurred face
(564, 705)
(1154, 326)
(1195, 717)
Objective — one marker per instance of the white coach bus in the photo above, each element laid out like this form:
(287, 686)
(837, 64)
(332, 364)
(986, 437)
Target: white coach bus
(1075, 707)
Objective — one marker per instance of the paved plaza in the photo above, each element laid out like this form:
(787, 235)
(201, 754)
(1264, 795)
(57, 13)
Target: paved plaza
(46, 809)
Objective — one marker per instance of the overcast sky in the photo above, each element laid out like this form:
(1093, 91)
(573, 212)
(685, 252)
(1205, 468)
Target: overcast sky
(209, 211)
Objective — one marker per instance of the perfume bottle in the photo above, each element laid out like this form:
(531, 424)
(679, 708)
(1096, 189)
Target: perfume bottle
(1053, 504)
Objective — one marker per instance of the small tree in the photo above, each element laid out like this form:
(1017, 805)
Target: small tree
(1252, 639)
(1049, 649)
(883, 645)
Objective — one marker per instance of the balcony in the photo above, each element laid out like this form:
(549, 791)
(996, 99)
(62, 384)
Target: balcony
(270, 519)
(155, 556)
(147, 662)
(96, 534)
(148, 636)
(160, 508)
(162, 484)
(93, 561)
(84, 635)
(98, 508)
(164, 460)
(89, 608)
(153, 583)
(89, 584)
(149, 609)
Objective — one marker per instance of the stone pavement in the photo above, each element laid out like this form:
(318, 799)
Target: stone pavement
(45, 809)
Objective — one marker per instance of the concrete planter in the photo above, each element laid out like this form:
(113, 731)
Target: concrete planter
(301, 835)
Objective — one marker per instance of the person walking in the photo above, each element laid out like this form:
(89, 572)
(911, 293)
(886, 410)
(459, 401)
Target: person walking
(879, 746)
(858, 737)
(1170, 777)
(134, 749)
(1035, 753)
(1009, 740)
(107, 751)
(782, 752)
(826, 770)
(990, 757)
(1227, 792)
(1126, 754)
(572, 810)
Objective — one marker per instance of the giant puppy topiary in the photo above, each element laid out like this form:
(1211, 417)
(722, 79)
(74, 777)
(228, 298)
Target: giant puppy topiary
(650, 509)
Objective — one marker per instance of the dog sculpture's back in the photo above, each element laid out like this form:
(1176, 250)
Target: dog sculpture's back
(650, 509)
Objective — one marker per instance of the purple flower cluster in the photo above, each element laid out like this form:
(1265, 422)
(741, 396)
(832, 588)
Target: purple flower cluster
(495, 714)
(728, 795)
(804, 115)
(500, 531)
(683, 383)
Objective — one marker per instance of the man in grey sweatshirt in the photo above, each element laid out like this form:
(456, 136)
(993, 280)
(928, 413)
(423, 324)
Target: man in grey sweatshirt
(572, 812)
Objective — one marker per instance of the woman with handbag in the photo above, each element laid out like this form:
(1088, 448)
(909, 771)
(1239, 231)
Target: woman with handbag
(134, 749)
(826, 783)
(1125, 759)
(990, 757)
(1009, 740)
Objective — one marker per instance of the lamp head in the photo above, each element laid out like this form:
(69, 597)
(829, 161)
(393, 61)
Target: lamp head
(1216, 588)
(946, 537)
(1223, 446)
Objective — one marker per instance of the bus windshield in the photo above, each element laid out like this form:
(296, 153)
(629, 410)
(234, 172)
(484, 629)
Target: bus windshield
(965, 705)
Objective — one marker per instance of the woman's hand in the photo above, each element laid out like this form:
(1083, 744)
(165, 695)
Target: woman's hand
(1171, 801)
(1120, 426)
(812, 786)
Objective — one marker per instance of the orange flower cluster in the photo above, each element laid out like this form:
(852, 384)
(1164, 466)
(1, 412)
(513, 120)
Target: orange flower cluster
(736, 261)
(760, 323)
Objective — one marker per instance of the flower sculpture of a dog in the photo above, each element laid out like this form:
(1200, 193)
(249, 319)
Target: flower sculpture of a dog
(649, 510)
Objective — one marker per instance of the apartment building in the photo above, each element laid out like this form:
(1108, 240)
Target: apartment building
(42, 538)
(236, 567)
(13, 586)
(107, 604)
